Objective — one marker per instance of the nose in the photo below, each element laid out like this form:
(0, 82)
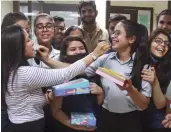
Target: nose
(113, 35)
(165, 26)
(59, 31)
(77, 51)
(44, 29)
(162, 44)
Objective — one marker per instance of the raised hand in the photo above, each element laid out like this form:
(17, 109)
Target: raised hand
(101, 48)
(43, 53)
(149, 75)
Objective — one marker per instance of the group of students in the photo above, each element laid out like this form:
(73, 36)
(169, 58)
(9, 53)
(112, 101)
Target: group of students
(27, 75)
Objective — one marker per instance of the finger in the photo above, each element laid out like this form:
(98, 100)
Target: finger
(145, 76)
(168, 116)
(152, 69)
(146, 72)
(164, 122)
(91, 83)
(166, 125)
(146, 79)
(170, 125)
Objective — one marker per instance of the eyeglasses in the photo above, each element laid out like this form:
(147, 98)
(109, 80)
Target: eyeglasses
(116, 33)
(160, 41)
(48, 26)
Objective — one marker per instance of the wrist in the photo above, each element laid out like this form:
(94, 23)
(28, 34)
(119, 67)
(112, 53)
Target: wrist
(155, 81)
(101, 92)
(130, 90)
(96, 55)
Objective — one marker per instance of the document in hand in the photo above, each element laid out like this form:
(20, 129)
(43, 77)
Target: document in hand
(111, 75)
(79, 86)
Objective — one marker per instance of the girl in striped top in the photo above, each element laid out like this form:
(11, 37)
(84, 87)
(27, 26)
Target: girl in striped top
(21, 83)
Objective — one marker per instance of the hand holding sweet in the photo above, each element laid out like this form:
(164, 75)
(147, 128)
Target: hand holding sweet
(101, 48)
(43, 53)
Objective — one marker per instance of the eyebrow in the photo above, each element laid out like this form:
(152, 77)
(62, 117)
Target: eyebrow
(161, 39)
(44, 23)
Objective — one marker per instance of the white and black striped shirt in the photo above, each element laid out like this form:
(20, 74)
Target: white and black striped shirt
(25, 100)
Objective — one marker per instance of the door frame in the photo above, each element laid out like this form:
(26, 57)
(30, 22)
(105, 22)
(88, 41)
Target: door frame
(109, 8)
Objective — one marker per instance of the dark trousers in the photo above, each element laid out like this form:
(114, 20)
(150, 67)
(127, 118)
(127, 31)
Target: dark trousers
(125, 122)
(34, 126)
(4, 120)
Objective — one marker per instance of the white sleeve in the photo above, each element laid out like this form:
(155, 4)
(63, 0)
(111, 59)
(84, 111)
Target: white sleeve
(40, 77)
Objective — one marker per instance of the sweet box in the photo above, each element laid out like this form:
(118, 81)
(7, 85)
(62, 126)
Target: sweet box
(84, 119)
(79, 86)
(111, 75)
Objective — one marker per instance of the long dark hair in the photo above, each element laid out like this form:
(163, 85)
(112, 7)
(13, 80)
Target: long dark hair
(163, 66)
(139, 47)
(65, 43)
(12, 54)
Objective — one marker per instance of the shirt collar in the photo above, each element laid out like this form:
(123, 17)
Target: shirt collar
(115, 56)
(53, 52)
(97, 27)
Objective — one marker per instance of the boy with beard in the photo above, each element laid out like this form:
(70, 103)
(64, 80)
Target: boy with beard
(73, 48)
(93, 34)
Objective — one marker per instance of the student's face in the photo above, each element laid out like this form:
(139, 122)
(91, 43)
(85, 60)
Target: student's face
(112, 27)
(160, 45)
(59, 31)
(165, 22)
(44, 30)
(77, 33)
(29, 50)
(119, 40)
(24, 24)
(88, 14)
(75, 48)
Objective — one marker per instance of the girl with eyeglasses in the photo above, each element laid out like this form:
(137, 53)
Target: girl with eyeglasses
(122, 104)
(159, 77)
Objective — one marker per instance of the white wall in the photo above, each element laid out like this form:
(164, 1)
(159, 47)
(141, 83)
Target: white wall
(158, 6)
(6, 7)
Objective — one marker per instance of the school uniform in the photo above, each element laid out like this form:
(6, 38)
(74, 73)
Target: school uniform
(119, 113)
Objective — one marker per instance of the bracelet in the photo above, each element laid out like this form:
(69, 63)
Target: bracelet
(94, 57)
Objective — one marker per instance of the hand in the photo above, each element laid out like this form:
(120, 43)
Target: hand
(43, 53)
(49, 96)
(149, 75)
(95, 89)
(127, 86)
(84, 128)
(167, 121)
(101, 48)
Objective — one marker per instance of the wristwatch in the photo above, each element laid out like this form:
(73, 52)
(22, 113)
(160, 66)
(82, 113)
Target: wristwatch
(93, 56)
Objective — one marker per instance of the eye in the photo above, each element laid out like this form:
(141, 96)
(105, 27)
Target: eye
(82, 48)
(159, 41)
(73, 49)
(161, 22)
(169, 23)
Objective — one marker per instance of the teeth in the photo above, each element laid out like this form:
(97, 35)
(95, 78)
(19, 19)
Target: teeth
(160, 50)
